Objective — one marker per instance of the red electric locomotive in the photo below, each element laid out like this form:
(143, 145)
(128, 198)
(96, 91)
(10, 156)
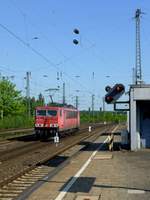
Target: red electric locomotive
(52, 119)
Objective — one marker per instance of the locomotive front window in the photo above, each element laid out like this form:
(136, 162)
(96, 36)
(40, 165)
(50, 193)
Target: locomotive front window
(41, 112)
(51, 113)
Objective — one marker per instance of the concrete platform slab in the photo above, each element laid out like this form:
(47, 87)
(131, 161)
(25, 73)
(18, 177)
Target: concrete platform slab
(100, 176)
(87, 197)
(103, 156)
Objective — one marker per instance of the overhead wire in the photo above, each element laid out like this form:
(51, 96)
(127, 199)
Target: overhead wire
(11, 70)
(37, 53)
(66, 59)
(60, 52)
(47, 60)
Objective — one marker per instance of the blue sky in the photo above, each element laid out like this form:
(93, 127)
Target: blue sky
(106, 45)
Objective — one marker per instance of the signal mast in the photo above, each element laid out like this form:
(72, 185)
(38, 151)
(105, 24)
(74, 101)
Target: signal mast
(138, 68)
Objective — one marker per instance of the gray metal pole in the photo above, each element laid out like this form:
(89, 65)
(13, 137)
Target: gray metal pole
(138, 77)
(93, 107)
(64, 95)
(77, 102)
(28, 93)
(103, 99)
(134, 76)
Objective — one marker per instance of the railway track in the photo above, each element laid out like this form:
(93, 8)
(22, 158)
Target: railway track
(25, 145)
(19, 130)
(23, 132)
(21, 144)
(23, 171)
(28, 154)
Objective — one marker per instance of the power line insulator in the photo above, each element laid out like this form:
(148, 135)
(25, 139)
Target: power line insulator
(76, 31)
(75, 41)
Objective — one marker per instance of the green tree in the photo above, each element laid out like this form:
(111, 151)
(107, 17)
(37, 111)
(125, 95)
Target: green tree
(33, 105)
(11, 102)
(40, 101)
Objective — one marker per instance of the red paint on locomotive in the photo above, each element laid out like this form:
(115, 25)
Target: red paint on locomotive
(52, 119)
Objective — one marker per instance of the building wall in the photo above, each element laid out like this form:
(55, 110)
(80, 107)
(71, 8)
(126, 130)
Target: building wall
(137, 94)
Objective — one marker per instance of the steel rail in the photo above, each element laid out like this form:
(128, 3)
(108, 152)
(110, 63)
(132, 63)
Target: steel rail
(52, 155)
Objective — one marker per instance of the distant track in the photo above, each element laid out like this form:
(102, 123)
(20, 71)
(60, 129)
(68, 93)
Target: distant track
(25, 170)
(23, 159)
(16, 130)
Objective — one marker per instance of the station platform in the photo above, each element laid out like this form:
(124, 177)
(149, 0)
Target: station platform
(98, 174)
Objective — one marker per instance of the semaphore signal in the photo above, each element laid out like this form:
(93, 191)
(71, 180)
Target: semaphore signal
(114, 93)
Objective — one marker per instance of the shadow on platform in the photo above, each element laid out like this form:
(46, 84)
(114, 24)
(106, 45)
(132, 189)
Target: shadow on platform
(82, 184)
(107, 133)
(56, 161)
(90, 146)
(121, 187)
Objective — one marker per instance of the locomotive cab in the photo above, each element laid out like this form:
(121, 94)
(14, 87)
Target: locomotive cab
(46, 121)
(52, 119)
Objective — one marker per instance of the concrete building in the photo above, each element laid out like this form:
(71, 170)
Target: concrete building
(139, 117)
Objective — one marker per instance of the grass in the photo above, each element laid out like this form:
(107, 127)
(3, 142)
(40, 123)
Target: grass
(16, 122)
(6, 136)
(85, 117)
(97, 116)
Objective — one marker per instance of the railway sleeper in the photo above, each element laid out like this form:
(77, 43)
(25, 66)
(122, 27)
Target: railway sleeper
(10, 190)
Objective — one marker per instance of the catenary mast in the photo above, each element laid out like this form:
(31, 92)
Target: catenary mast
(138, 69)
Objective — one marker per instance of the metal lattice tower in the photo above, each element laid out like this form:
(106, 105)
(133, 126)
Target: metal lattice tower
(138, 74)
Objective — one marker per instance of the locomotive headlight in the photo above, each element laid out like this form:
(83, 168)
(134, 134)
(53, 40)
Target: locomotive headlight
(53, 125)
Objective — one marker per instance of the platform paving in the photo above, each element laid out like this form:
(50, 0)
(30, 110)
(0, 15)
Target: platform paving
(117, 175)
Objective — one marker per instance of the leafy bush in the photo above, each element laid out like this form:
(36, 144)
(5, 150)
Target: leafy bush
(16, 122)
(107, 116)
(22, 121)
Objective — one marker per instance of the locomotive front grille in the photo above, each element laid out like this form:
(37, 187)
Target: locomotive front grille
(53, 125)
(46, 125)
